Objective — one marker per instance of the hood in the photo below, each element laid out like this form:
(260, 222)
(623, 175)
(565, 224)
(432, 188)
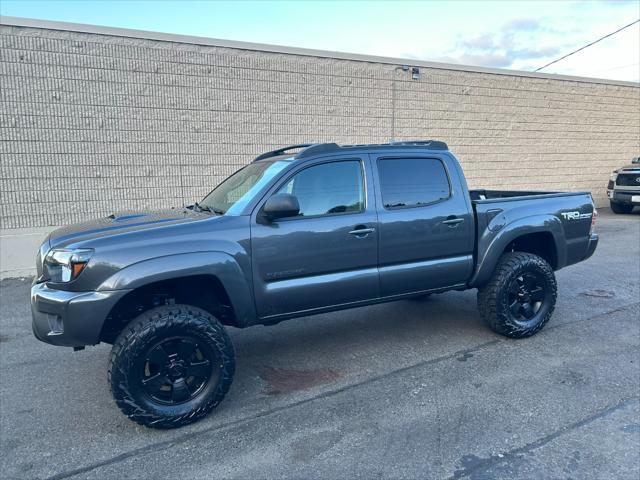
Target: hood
(122, 222)
(633, 167)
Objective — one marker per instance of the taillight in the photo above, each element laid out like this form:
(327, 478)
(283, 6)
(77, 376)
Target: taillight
(594, 218)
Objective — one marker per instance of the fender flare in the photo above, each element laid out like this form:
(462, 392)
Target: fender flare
(218, 264)
(491, 246)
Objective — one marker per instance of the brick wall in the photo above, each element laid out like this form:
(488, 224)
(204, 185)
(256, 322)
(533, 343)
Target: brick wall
(94, 123)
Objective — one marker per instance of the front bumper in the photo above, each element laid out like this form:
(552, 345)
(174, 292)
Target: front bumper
(625, 198)
(70, 319)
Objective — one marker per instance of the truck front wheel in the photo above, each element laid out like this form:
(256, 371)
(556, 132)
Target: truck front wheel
(520, 297)
(171, 366)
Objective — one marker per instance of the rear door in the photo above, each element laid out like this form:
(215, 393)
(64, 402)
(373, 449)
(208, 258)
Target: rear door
(425, 224)
(327, 255)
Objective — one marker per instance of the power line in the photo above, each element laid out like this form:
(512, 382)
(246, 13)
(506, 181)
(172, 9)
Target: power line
(588, 45)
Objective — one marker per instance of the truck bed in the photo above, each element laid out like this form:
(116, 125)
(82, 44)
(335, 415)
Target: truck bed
(564, 216)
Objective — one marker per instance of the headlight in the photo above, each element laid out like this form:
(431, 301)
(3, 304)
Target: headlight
(613, 176)
(64, 265)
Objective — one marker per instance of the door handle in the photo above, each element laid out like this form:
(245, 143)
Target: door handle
(361, 231)
(453, 221)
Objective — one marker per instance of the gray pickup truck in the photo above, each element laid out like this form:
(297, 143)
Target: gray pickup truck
(300, 230)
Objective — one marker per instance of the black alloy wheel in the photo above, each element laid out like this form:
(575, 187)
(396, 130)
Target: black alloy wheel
(526, 294)
(520, 296)
(177, 370)
(171, 366)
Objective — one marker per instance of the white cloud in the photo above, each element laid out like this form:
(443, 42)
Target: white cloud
(520, 42)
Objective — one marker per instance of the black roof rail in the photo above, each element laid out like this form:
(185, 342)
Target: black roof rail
(318, 148)
(432, 144)
(309, 149)
(280, 151)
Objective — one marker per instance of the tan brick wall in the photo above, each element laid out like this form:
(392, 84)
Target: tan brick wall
(93, 123)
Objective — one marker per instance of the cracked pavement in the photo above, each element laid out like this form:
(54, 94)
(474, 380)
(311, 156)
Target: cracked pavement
(409, 389)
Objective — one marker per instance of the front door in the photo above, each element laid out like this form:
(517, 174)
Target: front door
(327, 255)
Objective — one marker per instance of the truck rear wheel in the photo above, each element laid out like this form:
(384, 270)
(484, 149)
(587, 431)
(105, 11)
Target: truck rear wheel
(171, 366)
(520, 297)
(620, 207)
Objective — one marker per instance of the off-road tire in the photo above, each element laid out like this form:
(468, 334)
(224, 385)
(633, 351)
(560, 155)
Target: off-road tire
(140, 336)
(620, 207)
(493, 298)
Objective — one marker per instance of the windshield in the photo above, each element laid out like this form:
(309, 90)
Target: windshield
(233, 194)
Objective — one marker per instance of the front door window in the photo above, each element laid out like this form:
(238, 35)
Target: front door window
(326, 189)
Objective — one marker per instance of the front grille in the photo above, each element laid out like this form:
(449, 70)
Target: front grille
(628, 180)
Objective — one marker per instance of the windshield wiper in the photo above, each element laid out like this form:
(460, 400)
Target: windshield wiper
(205, 208)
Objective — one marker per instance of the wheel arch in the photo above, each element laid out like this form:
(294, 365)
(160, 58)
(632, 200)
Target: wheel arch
(542, 235)
(213, 281)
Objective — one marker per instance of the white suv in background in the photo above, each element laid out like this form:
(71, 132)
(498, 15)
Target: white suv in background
(624, 187)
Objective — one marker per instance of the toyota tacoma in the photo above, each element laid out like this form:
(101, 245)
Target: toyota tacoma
(299, 231)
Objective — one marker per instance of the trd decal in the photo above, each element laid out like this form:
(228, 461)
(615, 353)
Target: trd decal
(576, 215)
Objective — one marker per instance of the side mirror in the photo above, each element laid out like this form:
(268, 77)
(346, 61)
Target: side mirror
(281, 205)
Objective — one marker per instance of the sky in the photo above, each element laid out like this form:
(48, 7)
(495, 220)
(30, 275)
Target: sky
(520, 35)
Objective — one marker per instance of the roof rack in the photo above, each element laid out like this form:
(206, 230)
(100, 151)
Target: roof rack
(309, 149)
(280, 151)
(432, 144)
(318, 148)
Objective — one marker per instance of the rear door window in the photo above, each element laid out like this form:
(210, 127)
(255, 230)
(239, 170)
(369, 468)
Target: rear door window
(412, 182)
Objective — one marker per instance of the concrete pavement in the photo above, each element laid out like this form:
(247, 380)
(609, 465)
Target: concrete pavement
(410, 389)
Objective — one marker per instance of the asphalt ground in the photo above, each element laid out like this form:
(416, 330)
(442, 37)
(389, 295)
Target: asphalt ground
(409, 389)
